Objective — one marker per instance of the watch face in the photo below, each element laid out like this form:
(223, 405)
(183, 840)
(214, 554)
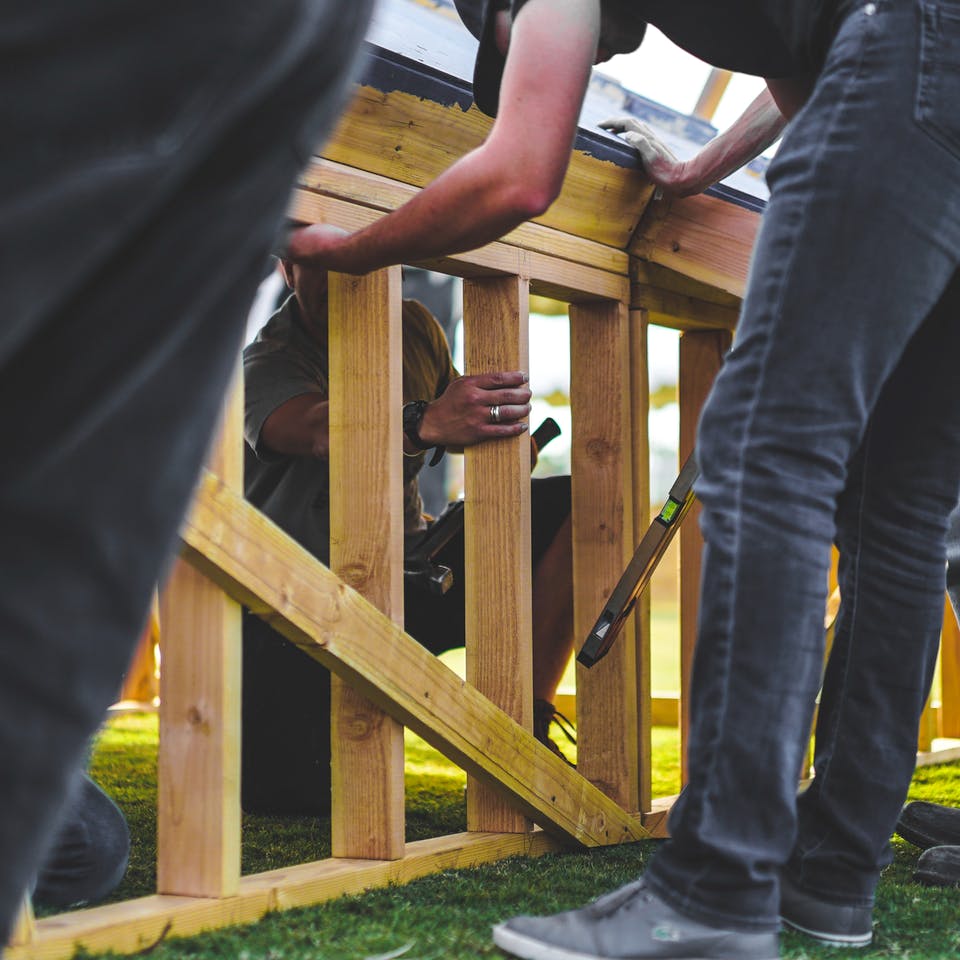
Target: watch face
(412, 415)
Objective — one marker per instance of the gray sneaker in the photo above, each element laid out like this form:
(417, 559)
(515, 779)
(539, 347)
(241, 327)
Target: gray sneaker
(837, 924)
(631, 923)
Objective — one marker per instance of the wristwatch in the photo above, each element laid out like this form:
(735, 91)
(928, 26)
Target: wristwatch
(412, 417)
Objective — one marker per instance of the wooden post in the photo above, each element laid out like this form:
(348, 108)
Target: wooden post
(24, 926)
(198, 765)
(497, 537)
(366, 547)
(640, 449)
(701, 354)
(949, 674)
(603, 532)
(712, 93)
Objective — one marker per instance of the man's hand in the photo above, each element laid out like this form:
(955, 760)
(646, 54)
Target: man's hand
(464, 414)
(659, 161)
(324, 246)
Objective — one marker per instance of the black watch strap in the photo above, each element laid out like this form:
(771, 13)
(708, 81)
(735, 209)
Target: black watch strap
(412, 417)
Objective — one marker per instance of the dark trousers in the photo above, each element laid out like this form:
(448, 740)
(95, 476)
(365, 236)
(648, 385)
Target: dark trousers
(150, 151)
(835, 417)
(286, 695)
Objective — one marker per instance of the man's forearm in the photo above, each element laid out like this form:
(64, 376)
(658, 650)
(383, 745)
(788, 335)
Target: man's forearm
(757, 128)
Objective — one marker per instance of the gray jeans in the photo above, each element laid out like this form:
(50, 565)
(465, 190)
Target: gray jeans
(835, 418)
(149, 154)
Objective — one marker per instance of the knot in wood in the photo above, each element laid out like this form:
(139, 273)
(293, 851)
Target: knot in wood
(355, 574)
(600, 451)
(359, 726)
(196, 720)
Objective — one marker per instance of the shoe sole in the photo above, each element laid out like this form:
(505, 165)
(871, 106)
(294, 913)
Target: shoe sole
(922, 840)
(831, 939)
(527, 948)
(930, 878)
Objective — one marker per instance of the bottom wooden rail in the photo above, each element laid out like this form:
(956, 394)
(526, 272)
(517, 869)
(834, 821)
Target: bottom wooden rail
(136, 925)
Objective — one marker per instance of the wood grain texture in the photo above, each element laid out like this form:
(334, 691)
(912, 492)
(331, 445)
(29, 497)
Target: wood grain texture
(601, 460)
(413, 140)
(136, 926)
(497, 537)
(705, 238)
(328, 179)
(263, 568)
(550, 276)
(198, 764)
(366, 547)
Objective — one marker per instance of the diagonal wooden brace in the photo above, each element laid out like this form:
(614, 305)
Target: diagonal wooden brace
(257, 564)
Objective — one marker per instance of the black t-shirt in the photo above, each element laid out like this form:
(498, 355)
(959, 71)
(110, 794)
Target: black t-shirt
(767, 38)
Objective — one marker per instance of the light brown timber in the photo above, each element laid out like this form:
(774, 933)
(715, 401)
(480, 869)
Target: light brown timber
(198, 764)
(497, 537)
(260, 566)
(704, 237)
(549, 276)
(326, 178)
(601, 470)
(366, 547)
(135, 926)
(413, 140)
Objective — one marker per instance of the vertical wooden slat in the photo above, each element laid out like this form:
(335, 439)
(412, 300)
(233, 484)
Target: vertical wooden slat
(640, 449)
(366, 547)
(497, 536)
(603, 532)
(24, 926)
(701, 354)
(198, 766)
(949, 674)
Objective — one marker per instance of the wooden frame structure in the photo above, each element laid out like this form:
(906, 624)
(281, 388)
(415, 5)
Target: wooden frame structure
(621, 264)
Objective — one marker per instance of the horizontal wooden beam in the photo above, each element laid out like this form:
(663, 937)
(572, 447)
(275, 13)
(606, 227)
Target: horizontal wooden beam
(256, 563)
(705, 238)
(326, 178)
(135, 926)
(413, 139)
(549, 275)
(668, 309)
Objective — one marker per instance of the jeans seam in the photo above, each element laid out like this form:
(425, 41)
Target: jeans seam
(823, 776)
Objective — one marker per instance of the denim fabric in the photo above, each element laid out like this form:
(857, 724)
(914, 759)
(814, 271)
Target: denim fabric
(953, 561)
(836, 416)
(149, 154)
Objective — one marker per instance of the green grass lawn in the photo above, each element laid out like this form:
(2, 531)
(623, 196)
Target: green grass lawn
(449, 915)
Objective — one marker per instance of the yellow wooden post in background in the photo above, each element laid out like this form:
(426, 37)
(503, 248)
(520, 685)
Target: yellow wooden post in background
(601, 466)
(949, 675)
(497, 536)
(198, 767)
(366, 547)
